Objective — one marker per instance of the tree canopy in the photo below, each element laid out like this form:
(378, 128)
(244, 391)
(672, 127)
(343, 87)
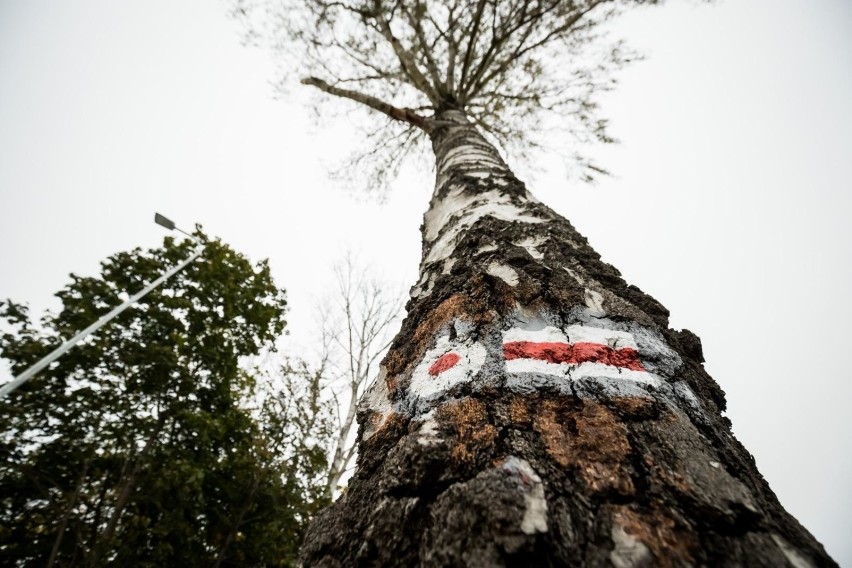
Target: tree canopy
(148, 444)
(518, 69)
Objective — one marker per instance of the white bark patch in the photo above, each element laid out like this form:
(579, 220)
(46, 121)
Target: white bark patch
(481, 175)
(463, 209)
(505, 273)
(472, 156)
(580, 280)
(423, 287)
(377, 400)
(432, 377)
(594, 301)
(531, 244)
(795, 559)
(448, 265)
(628, 551)
(440, 213)
(535, 512)
(592, 298)
(685, 393)
(428, 434)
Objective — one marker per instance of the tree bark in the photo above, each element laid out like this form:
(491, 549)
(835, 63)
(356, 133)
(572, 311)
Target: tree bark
(536, 410)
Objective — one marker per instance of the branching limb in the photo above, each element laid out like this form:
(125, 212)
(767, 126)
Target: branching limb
(401, 114)
(407, 62)
(426, 48)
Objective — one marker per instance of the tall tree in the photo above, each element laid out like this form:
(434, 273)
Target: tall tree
(534, 409)
(139, 446)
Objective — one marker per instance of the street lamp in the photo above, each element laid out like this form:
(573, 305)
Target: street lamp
(164, 221)
(59, 351)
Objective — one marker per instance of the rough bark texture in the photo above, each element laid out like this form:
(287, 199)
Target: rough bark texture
(536, 410)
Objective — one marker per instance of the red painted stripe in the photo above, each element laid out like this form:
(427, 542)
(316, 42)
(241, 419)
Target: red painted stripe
(553, 352)
(444, 363)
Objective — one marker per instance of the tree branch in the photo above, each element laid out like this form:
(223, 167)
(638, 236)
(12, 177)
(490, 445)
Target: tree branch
(425, 47)
(407, 62)
(400, 114)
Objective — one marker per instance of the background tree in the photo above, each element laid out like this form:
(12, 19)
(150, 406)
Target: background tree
(299, 412)
(357, 325)
(140, 446)
(534, 408)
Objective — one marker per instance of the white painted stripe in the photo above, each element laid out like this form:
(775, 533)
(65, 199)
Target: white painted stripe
(573, 334)
(576, 372)
(610, 337)
(539, 366)
(548, 334)
(601, 371)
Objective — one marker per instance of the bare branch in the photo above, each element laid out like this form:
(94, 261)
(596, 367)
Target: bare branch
(401, 114)
(471, 43)
(407, 62)
(424, 49)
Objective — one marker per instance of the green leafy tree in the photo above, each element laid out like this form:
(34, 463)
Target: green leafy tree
(145, 445)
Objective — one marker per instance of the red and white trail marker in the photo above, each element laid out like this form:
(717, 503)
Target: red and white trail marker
(580, 351)
(448, 364)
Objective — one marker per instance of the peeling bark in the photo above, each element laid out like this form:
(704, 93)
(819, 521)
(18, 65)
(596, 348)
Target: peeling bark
(536, 410)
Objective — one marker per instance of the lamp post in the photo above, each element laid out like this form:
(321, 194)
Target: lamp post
(103, 320)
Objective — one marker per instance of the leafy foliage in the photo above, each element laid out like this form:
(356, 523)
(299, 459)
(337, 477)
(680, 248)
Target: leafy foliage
(139, 446)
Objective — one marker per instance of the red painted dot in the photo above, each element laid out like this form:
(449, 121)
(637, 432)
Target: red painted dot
(444, 363)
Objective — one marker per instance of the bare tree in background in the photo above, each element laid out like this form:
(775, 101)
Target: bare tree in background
(357, 324)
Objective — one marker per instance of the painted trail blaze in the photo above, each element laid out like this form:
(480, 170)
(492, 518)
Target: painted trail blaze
(559, 352)
(444, 363)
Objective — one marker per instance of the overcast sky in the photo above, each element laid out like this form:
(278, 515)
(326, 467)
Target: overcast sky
(730, 205)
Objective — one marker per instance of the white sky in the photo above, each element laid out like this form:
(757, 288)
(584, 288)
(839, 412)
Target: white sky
(730, 205)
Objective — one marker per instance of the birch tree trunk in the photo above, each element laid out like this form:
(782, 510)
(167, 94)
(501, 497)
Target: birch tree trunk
(535, 410)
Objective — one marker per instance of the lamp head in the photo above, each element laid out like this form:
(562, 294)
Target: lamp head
(164, 221)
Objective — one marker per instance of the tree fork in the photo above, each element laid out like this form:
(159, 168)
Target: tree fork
(534, 409)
